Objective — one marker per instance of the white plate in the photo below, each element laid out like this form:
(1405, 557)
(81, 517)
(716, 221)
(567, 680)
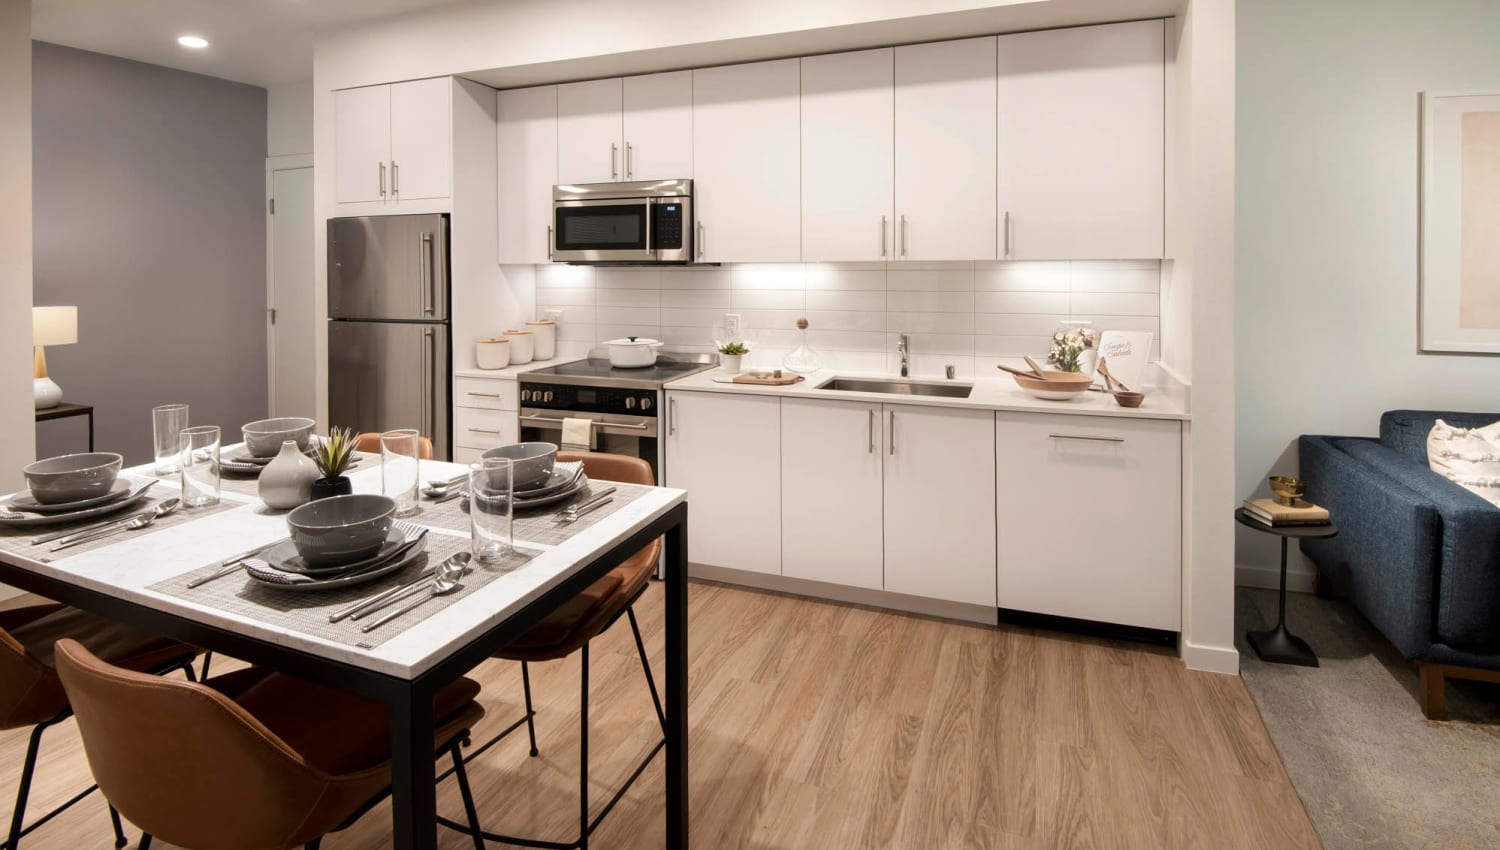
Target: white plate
(24, 501)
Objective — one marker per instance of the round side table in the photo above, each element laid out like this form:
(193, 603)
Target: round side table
(1279, 646)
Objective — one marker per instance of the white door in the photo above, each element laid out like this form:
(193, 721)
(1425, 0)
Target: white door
(725, 450)
(945, 150)
(1090, 513)
(589, 131)
(422, 139)
(831, 505)
(940, 503)
(746, 162)
(1081, 142)
(848, 117)
(526, 139)
(362, 143)
(290, 309)
(659, 126)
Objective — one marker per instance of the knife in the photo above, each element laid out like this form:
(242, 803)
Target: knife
(58, 535)
(232, 565)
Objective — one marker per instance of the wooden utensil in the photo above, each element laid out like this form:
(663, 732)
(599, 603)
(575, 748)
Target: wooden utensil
(1035, 369)
(1022, 372)
(1110, 381)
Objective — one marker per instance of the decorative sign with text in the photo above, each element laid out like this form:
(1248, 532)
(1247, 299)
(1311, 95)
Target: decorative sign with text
(1126, 353)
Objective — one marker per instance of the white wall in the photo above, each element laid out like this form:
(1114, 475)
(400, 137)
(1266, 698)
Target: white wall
(17, 425)
(1328, 121)
(289, 118)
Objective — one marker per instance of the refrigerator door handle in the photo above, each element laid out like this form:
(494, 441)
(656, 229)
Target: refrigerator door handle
(429, 384)
(427, 273)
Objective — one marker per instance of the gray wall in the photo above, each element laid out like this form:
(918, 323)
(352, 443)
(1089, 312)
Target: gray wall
(149, 215)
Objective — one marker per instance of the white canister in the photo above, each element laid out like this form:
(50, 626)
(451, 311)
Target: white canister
(522, 346)
(545, 332)
(730, 363)
(492, 353)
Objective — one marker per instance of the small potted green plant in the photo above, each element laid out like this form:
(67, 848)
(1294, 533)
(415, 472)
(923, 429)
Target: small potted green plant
(730, 354)
(333, 457)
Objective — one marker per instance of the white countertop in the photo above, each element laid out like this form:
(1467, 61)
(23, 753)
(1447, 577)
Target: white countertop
(509, 373)
(1001, 393)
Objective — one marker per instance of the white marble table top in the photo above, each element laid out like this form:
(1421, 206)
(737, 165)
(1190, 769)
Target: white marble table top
(128, 568)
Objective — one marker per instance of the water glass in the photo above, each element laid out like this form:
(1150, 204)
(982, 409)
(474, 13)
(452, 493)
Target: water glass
(490, 509)
(167, 424)
(400, 468)
(200, 466)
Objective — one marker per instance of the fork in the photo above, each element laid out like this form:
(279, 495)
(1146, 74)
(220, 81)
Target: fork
(572, 512)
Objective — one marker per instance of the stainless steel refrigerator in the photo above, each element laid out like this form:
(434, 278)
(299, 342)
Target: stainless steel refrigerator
(388, 333)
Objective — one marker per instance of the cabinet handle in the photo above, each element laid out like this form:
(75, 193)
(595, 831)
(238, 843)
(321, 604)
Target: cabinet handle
(485, 395)
(882, 236)
(614, 159)
(892, 434)
(629, 161)
(1007, 234)
(549, 241)
(700, 239)
(1089, 437)
(483, 431)
(382, 180)
(903, 235)
(671, 416)
(872, 431)
(395, 178)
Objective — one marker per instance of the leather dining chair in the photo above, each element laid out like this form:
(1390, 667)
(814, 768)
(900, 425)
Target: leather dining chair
(251, 760)
(31, 694)
(569, 629)
(369, 441)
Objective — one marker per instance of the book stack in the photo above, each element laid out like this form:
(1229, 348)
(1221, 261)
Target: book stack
(1274, 514)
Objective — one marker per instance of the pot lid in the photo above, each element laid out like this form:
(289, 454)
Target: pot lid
(634, 341)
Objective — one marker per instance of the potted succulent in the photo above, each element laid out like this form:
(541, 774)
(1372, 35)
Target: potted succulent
(730, 354)
(333, 457)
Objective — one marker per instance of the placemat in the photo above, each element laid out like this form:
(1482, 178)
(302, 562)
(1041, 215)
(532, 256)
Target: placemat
(539, 525)
(18, 540)
(307, 613)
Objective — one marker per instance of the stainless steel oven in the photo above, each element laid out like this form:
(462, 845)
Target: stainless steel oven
(631, 223)
(634, 436)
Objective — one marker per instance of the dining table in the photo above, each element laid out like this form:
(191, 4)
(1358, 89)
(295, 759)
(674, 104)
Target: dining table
(142, 577)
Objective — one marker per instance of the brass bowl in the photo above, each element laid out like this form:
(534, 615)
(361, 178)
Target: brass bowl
(1287, 489)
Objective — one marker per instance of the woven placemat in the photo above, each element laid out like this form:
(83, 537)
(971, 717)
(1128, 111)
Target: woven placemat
(535, 526)
(18, 540)
(306, 612)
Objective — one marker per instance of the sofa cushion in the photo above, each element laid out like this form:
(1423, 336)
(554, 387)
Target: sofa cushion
(1469, 457)
(1405, 431)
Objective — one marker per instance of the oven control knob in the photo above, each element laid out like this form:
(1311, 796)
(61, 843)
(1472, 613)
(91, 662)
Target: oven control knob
(525, 395)
(630, 402)
(547, 396)
(646, 403)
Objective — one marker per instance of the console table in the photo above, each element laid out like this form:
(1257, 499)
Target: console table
(65, 410)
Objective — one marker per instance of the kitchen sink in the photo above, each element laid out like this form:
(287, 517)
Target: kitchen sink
(897, 386)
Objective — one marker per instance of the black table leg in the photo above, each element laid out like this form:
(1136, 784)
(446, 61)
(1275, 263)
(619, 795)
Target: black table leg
(677, 684)
(413, 775)
(1278, 645)
(91, 430)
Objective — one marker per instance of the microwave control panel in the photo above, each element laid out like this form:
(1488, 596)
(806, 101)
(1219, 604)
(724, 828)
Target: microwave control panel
(666, 225)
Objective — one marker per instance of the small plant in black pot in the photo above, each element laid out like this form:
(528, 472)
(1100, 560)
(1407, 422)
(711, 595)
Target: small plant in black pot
(333, 457)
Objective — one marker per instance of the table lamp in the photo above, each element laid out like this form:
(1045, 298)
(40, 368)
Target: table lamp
(50, 326)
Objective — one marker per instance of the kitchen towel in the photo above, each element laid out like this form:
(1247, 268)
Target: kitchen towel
(577, 434)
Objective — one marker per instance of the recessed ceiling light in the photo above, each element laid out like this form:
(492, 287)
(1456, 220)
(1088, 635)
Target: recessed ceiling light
(196, 42)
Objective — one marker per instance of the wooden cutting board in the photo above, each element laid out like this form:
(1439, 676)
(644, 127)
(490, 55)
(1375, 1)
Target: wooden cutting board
(760, 380)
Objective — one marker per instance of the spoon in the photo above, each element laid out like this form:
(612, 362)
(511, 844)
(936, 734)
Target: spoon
(168, 506)
(444, 582)
(401, 591)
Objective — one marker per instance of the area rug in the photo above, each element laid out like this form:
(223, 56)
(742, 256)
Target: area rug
(1371, 770)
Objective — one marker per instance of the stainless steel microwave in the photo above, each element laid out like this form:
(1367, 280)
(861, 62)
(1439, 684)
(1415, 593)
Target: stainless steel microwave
(630, 223)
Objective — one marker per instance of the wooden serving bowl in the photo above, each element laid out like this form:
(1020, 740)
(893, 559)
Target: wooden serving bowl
(1126, 398)
(1059, 386)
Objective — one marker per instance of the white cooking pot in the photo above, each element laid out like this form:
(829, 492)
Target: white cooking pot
(633, 352)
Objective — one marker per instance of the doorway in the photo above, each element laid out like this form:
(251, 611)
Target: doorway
(289, 287)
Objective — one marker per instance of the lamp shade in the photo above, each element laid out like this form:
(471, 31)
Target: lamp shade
(54, 325)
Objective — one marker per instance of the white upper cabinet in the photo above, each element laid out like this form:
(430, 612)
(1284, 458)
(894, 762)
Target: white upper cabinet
(1081, 142)
(746, 162)
(945, 151)
(831, 504)
(526, 138)
(589, 129)
(422, 139)
(658, 119)
(848, 113)
(362, 127)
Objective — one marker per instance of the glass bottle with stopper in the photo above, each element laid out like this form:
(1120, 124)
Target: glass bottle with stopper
(803, 360)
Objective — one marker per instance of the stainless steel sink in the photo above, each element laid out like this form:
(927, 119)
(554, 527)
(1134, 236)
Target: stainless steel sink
(897, 386)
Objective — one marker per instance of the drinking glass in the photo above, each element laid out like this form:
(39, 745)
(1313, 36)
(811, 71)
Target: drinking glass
(167, 424)
(490, 509)
(200, 466)
(400, 469)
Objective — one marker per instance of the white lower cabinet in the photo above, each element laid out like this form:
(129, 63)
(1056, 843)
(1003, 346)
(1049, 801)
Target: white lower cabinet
(725, 450)
(1089, 517)
(484, 416)
(831, 506)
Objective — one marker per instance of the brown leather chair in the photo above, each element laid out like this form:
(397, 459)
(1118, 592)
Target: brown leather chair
(571, 627)
(369, 441)
(252, 760)
(32, 695)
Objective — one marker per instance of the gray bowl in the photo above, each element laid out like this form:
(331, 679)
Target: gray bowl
(531, 463)
(70, 478)
(341, 529)
(264, 438)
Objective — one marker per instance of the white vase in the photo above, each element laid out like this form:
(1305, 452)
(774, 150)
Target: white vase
(730, 363)
(545, 344)
(286, 482)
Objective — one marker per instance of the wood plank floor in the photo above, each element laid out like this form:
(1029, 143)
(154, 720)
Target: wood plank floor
(816, 725)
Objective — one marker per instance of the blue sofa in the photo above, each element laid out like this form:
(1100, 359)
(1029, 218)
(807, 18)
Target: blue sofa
(1417, 554)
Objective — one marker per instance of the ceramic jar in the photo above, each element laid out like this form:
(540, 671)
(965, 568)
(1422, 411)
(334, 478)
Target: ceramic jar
(730, 363)
(286, 482)
(545, 333)
(522, 346)
(492, 353)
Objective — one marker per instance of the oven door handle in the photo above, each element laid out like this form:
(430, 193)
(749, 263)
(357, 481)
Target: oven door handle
(648, 429)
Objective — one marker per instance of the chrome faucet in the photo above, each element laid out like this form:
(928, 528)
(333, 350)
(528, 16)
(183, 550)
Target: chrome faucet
(901, 347)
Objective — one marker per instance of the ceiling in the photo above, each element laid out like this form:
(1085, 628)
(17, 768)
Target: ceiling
(261, 42)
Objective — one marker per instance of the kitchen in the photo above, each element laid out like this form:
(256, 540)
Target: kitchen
(921, 196)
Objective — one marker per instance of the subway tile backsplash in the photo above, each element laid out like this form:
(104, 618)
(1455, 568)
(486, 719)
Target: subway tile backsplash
(965, 314)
